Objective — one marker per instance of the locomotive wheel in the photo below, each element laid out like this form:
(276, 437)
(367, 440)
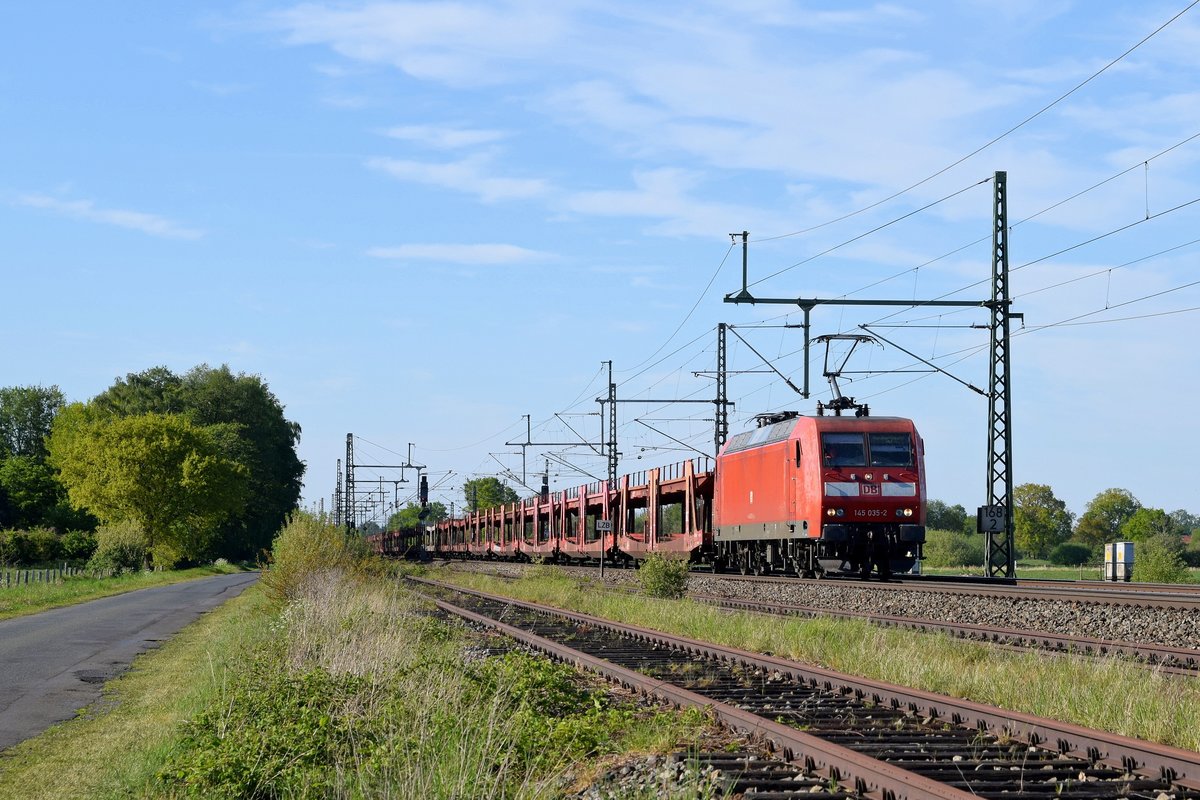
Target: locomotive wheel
(744, 561)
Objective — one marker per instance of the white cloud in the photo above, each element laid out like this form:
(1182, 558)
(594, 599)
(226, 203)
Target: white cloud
(667, 194)
(221, 89)
(443, 137)
(468, 175)
(461, 253)
(134, 220)
(459, 43)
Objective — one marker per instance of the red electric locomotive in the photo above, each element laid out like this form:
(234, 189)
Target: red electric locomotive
(821, 494)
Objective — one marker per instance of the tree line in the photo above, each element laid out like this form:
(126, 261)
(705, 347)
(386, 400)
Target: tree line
(160, 467)
(1044, 528)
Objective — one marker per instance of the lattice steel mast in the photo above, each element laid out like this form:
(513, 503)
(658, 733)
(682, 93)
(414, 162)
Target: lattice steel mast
(1000, 549)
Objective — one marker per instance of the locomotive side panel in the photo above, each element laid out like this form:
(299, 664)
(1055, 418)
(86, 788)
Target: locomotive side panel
(756, 486)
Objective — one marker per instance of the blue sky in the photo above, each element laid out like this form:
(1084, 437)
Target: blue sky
(420, 221)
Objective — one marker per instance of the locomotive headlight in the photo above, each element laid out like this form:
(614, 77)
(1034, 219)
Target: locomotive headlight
(830, 512)
(868, 477)
(840, 512)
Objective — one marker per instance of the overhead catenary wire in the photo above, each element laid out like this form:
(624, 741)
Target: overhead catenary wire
(995, 139)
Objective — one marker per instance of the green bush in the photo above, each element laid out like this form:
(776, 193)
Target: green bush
(1071, 554)
(953, 549)
(78, 545)
(120, 547)
(29, 548)
(44, 546)
(1159, 559)
(14, 548)
(664, 576)
(309, 544)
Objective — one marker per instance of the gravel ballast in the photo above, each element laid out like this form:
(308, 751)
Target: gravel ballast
(1095, 620)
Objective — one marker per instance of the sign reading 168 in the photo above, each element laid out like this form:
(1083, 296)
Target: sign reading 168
(991, 519)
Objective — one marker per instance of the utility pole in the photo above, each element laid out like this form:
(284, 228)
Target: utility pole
(612, 459)
(1001, 549)
(721, 426)
(337, 497)
(351, 498)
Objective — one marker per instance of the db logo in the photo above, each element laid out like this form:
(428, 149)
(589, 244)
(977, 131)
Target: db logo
(870, 488)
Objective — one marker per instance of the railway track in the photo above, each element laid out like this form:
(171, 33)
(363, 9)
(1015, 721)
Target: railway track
(1164, 658)
(1174, 660)
(885, 741)
(1184, 597)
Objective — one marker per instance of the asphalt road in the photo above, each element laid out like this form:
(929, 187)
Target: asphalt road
(56, 662)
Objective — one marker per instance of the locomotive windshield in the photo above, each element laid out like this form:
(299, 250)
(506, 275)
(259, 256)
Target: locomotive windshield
(891, 449)
(875, 449)
(843, 449)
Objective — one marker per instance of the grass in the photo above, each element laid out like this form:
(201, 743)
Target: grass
(350, 689)
(360, 692)
(17, 601)
(1109, 695)
(115, 749)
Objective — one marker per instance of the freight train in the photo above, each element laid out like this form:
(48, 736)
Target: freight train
(810, 495)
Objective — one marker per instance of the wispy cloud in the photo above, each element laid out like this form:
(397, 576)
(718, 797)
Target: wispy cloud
(669, 195)
(455, 42)
(151, 224)
(444, 137)
(461, 253)
(469, 175)
(221, 89)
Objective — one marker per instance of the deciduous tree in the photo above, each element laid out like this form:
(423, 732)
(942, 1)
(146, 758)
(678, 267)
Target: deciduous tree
(942, 517)
(409, 516)
(1146, 523)
(26, 414)
(484, 493)
(246, 421)
(1042, 521)
(1101, 521)
(156, 470)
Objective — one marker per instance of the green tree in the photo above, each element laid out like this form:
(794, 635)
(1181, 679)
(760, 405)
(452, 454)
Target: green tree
(409, 516)
(484, 493)
(158, 471)
(1186, 520)
(1159, 559)
(30, 489)
(1101, 521)
(153, 391)
(257, 435)
(1042, 521)
(1147, 523)
(246, 421)
(31, 496)
(953, 549)
(26, 414)
(942, 517)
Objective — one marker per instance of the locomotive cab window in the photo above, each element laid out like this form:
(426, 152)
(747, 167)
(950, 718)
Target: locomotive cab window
(891, 449)
(843, 450)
